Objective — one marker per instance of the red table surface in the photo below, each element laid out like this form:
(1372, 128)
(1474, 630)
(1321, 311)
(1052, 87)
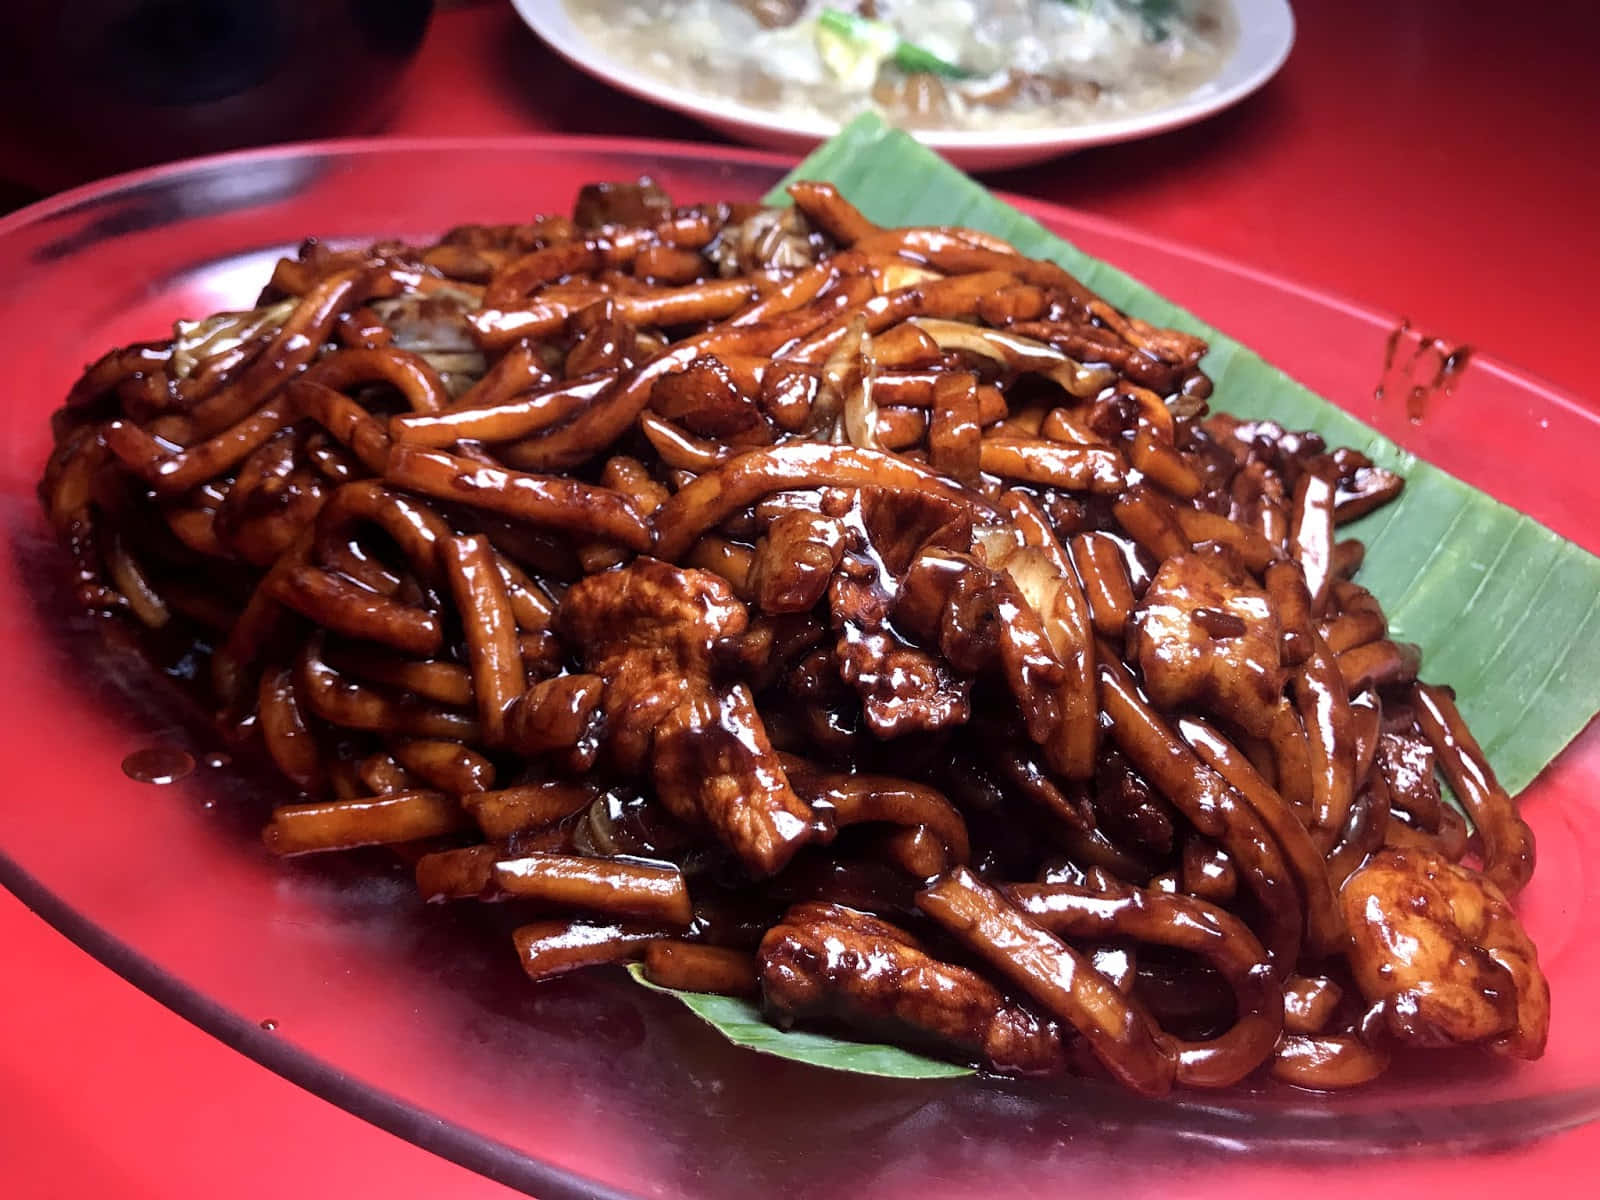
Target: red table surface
(1431, 159)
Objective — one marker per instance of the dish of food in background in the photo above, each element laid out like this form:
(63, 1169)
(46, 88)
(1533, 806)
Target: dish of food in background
(988, 84)
(949, 64)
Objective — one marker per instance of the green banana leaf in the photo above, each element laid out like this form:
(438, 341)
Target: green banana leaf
(742, 1024)
(1457, 572)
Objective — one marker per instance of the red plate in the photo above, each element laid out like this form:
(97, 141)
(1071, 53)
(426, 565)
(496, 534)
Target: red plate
(419, 1019)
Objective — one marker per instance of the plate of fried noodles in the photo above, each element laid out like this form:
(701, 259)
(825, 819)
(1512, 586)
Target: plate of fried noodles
(1017, 737)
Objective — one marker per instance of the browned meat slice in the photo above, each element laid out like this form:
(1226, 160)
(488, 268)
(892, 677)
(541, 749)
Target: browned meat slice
(825, 963)
(649, 630)
(714, 764)
(1439, 946)
(899, 525)
(639, 203)
(1202, 639)
(705, 400)
(795, 560)
(949, 601)
(903, 689)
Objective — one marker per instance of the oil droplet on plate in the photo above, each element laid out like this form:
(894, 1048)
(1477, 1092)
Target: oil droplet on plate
(158, 764)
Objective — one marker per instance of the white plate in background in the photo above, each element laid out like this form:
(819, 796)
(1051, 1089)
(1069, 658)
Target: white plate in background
(1265, 33)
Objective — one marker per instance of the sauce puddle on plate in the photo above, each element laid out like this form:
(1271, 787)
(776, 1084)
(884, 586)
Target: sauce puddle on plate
(1430, 370)
(158, 764)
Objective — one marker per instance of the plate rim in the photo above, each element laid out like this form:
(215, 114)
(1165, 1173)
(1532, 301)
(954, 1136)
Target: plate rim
(359, 1097)
(1268, 31)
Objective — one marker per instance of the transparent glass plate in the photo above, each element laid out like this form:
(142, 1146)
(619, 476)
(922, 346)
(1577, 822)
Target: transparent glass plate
(419, 1019)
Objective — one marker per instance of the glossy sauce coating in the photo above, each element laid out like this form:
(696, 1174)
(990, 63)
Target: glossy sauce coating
(872, 622)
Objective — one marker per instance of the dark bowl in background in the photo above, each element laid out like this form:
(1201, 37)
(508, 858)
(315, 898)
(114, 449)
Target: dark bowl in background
(92, 87)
